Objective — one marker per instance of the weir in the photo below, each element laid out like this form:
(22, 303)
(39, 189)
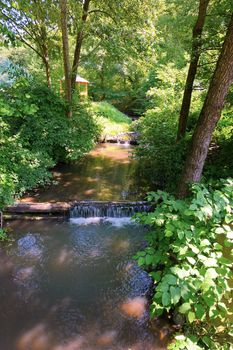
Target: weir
(107, 209)
(80, 209)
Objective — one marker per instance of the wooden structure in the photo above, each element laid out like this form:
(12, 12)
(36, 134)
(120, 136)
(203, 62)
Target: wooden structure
(81, 86)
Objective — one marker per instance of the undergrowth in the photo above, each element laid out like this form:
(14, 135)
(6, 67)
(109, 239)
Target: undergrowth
(111, 121)
(188, 256)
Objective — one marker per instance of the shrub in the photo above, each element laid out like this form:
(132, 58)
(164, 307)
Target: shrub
(160, 158)
(220, 160)
(35, 134)
(187, 258)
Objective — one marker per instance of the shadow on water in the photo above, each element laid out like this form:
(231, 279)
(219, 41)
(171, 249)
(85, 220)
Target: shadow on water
(75, 287)
(106, 173)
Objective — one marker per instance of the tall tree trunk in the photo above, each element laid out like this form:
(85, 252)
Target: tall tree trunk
(102, 82)
(78, 45)
(195, 55)
(210, 114)
(46, 62)
(65, 45)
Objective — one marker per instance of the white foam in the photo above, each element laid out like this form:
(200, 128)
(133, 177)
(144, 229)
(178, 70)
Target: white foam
(117, 222)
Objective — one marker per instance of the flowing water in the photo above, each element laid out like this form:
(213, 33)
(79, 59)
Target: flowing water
(106, 173)
(87, 209)
(74, 286)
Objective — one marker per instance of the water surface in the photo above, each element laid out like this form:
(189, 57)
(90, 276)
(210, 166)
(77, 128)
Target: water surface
(74, 286)
(106, 173)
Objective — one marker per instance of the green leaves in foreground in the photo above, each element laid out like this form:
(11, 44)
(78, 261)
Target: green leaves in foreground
(188, 256)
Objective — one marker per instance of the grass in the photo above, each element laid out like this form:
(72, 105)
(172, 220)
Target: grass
(110, 120)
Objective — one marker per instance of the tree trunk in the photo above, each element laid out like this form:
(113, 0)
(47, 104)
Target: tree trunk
(210, 114)
(78, 45)
(46, 62)
(195, 55)
(65, 45)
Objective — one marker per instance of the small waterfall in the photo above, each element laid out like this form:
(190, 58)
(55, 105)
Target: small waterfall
(88, 209)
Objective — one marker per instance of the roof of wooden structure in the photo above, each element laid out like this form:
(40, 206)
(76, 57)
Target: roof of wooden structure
(80, 80)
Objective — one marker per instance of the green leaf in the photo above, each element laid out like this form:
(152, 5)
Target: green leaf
(209, 299)
(163, 286)
(181, 273)
(219, 230)
(191, 260)
(228, 219)
(211, 274)
(188, 212)
(170, 279)
(166, 299)
(207, 340)
(168, 233)
(191, 316)
(184, 308)
(149, 259)
(156, 276)
(209, 262)
(183, 250)
(205, 242)
(180, 234)
(200, 311)
(194, 249)
(230, 235)
(158, 311)
(141, 261)
(175, 294)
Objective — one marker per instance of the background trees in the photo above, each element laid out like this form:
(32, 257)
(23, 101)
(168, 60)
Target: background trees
(194, 58)
(33, 23)
(137, 55)
(210, 113)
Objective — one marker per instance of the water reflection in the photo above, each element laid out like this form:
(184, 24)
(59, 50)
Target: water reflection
(107, 173)
(66, 286)
(135, 307)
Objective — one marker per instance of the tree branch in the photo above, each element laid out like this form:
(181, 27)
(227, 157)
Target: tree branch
(104, 12)
(20, 38)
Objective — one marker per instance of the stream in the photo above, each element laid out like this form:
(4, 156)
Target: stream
(106, 173)
(73, 284)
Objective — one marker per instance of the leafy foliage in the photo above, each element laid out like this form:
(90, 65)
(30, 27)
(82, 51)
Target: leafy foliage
(110, 120)
(4, 235)
(36, 134)
(220, 162)
(160, 158)
(187, 257)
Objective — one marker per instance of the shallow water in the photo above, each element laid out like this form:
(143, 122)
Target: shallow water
(106, 173)
(74, 286)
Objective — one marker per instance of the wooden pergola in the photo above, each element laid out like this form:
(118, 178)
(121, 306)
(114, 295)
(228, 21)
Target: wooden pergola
(80, 82)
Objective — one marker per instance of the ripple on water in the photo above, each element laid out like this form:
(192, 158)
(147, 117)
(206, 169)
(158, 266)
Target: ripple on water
(75, 287)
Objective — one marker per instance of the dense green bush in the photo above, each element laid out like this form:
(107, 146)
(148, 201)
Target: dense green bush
(188, 258)
(36, 134)
(160, 158)
(220, 160)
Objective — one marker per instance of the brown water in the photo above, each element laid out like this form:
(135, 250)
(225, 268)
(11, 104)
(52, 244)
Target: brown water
(74, 286)
(106, 173)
